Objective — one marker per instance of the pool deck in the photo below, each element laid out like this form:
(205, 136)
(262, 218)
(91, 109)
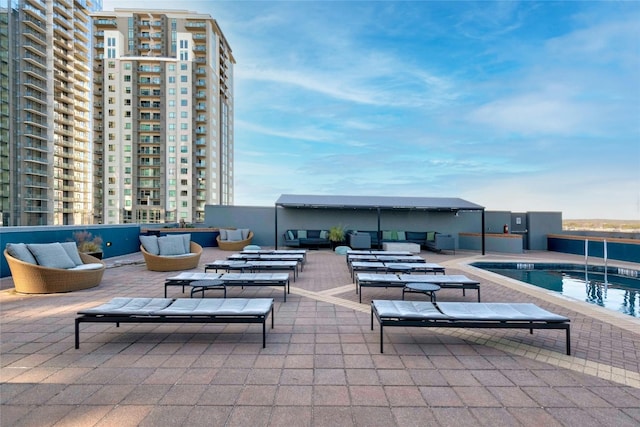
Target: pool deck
(322, 364)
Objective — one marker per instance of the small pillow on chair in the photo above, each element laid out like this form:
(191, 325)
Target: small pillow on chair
(186, 240)
(150, 244)
(51, 255)
(234, 235)
(223, 234)
(21, 251)
(245, 233)
(171, 245)
(72, 250)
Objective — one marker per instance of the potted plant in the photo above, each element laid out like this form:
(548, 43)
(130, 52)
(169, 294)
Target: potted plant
(88, 243)
(336, 235)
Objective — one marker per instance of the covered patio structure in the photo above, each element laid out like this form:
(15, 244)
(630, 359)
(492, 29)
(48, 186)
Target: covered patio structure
(381, 205)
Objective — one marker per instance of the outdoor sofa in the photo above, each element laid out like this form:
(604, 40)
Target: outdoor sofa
(180, 310)
(428, 239)
(466, 315)
(46, 268)
(306, 238)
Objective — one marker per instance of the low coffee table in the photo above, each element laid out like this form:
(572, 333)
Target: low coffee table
(203, 285)
(423, 288)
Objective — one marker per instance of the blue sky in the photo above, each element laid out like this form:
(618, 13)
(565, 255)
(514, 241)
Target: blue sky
(517, 106)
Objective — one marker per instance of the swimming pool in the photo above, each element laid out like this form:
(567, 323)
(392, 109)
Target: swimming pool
(613, 288)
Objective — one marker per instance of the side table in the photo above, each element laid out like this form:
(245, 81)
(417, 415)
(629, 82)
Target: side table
(423, 288)
(203, 285)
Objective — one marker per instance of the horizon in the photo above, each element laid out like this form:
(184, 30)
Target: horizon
(515, 106)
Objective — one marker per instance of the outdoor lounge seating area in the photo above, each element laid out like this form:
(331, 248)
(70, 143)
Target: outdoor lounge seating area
(319, 363)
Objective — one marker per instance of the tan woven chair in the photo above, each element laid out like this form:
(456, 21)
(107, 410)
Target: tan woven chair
(238, 245)
(169, 263)
(35, 279)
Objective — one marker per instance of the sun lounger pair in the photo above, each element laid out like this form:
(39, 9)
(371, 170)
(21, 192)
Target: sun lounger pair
(466, 315)
(181, 310)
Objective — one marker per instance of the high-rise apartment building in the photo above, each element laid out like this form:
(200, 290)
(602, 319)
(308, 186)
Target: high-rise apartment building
(45, 106)
(162, 116)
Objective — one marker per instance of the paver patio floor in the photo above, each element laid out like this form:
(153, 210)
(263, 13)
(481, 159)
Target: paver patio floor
(322, 364)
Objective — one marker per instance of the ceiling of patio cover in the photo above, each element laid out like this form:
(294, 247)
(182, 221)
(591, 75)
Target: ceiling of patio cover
(377, 202)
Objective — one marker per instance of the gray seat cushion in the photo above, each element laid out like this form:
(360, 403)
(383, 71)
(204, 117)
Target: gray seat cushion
(129, 306)
(217, 306)
(408, 310)
(499, 311)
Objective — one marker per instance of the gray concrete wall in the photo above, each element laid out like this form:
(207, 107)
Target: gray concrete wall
(542, 224)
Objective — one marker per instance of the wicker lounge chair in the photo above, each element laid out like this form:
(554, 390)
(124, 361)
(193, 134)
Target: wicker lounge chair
(229, 245)
(31, 278)
(173, 263)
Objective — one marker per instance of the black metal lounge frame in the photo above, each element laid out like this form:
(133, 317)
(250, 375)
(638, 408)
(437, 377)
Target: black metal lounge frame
(150, 316)
(400, 280)
(232, 279)
(431, 315)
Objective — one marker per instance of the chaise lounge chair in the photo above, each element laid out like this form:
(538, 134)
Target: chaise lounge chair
(181, 310)
(466, 315)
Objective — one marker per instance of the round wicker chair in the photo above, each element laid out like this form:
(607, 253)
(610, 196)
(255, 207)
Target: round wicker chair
(171, 263)
(35, 279)
(238, 245)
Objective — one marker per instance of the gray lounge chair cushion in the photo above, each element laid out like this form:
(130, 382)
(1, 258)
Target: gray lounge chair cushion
(171, 245)
(150, 244)
(21, 251)
(51, 255)
(217, 306)
(498, 311)
(72, 250)
(408, 310)
(129, 306)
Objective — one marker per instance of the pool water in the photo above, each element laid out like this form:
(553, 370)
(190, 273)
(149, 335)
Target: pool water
(617, 292)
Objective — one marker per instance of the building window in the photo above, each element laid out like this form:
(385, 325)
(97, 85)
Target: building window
(184, 79)
(184, 171)
(183, 67)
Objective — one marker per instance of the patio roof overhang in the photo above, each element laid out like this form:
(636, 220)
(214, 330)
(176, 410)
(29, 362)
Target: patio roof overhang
(379, 203)
(434, 204)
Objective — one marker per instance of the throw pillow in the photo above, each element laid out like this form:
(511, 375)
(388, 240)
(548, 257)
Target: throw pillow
(245, 233)
(51, 255)
(186, 241)
(150, 244)
(223, 234)
(324, 234)
(72, 250)
(302, 234)
(401, 235)
(290, 235)
(386, 235)
(21, 252)
(234, 235)
(171, 245)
